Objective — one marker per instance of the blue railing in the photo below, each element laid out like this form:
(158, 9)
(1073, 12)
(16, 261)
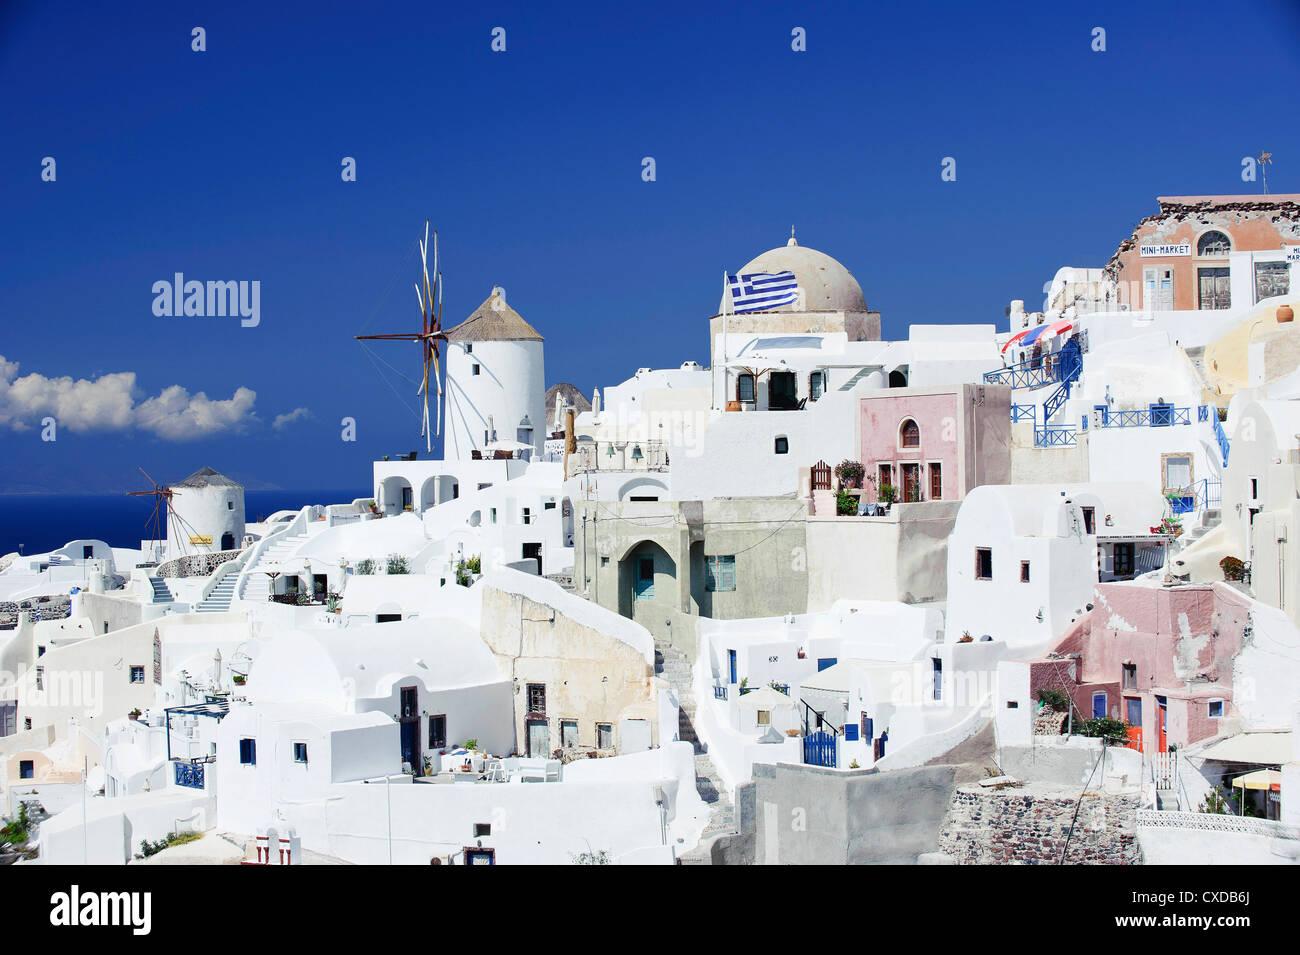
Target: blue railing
(1071, 365)
(1157, 416)
(1023, 412)
(189, 774)
(1055, 437)
(1220, 436)
(1196, 497)
(719, 692)
(1034, 373)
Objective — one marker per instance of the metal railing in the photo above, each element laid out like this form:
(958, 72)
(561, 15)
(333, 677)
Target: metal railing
(1197, 496)
(1055, 437)
(1220, 436)
(719, 692)
(1157, 416)
(1032, 373)
(1023, 412)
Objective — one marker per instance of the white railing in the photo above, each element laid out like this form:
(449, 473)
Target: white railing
(222, 571)
(1164, 770)
(1215, 822)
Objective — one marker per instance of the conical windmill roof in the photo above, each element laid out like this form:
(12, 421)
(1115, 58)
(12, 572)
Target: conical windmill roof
(207, 477)
(494, 321)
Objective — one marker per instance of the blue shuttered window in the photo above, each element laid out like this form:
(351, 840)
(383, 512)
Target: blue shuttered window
(720, 573)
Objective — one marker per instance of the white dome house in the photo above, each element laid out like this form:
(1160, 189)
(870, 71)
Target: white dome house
(205, 515)
(496, 390)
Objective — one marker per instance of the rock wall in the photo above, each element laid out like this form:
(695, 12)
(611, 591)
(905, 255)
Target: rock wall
(195, 565)
(1025, 826)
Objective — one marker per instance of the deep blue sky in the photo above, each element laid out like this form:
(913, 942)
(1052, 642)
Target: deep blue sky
(225, 165)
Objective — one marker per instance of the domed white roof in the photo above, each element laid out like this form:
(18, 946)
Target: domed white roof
(827, 285)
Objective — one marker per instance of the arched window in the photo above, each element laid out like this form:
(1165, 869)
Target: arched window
(909, 434)
(1213, 243)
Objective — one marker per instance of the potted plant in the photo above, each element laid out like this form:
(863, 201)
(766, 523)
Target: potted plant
(1233, 568)
(238, 679)
(846, 504)
(887, 494)
(134, 714)
(849, 474)
(428, 766)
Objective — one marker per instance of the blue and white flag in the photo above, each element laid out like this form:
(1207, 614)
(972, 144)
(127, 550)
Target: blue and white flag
(761, 291)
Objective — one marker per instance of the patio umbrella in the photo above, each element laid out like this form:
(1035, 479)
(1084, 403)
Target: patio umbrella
(1270, 779)
(507, 445)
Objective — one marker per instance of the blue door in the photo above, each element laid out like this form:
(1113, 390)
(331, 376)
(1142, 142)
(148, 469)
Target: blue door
(819, 749)
(731, 664)
(825, 663)
(645, 579)
(868, 728)
(1098, 705)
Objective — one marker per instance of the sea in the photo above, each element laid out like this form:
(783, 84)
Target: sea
(37, 523)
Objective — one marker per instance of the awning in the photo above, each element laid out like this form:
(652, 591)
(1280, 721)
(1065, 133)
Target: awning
(1270, 779)
(1266, 749)
(1030, 335)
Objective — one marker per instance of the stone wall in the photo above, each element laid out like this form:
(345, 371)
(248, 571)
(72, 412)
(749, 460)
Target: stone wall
(195, 565)
(1030, 826)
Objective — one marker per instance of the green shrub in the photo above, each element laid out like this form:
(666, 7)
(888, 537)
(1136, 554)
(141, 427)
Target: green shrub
(397, 564)
(365, 567)
(1102, 727)
(1055, 699)
(846, 503)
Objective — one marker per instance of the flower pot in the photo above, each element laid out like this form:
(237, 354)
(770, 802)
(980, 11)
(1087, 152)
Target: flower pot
(1285, 313)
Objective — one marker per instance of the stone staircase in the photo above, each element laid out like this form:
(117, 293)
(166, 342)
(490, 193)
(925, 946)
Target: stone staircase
(257, 586)
(218, 601)
(675, 667)
(1211, 518)
(162, 594)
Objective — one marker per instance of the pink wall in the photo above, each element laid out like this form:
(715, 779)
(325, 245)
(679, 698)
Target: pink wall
(937, 416)
(1212, 616)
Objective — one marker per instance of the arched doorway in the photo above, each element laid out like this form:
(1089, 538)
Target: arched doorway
(396, 495)
(647, 585)
(898, 378)
(227, 541)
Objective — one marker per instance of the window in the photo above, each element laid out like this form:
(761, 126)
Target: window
(886, 476)
(387, 617)
(40, 651)
(1130, 676)
(26, 769)
(409, 699)
(137, 674)
(40, 678)
(27, 723)
(548, 506)
(469, 348)
(816, 382)
(300, 752)
(1122, 562)
(604, 562)
(482, 829)
(438, 731)
(248, 752)
(1272, 278)
(230, 505)
(782, 445)
(528, 516)
(1024, 571)
(475, 369)
(1215, 709)
(1254, 489)
(604, 736)
(1089, 520)
(909, 434)
(568, 733)
(720, 573)
(983, 563)
(494, 515)
(745, 387)
(936, 481)
(764, 717)
(1214, 244)
(1177, 470)
(936, 670)
(536, 697)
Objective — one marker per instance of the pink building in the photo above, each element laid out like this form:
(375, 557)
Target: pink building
(935, 444)
(1158, 658)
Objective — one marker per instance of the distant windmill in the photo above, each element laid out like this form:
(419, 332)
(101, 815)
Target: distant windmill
(1265, 160)
(159, 494)
(429, 336)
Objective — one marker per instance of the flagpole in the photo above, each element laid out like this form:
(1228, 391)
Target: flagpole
(726, 296)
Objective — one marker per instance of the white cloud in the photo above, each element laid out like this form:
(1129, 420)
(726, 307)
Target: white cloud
(110, 403)
(284, 420)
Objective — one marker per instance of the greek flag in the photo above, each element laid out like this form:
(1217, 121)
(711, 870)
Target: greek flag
(761, 291)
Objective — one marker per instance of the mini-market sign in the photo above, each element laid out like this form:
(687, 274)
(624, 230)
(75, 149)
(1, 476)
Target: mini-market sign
(1159, 251)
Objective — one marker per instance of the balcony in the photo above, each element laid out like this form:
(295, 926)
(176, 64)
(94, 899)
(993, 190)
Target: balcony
(1157, 416)
(620, 456)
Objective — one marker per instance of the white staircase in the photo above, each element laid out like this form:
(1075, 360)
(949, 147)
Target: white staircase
(257, 585)
(218, 601)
